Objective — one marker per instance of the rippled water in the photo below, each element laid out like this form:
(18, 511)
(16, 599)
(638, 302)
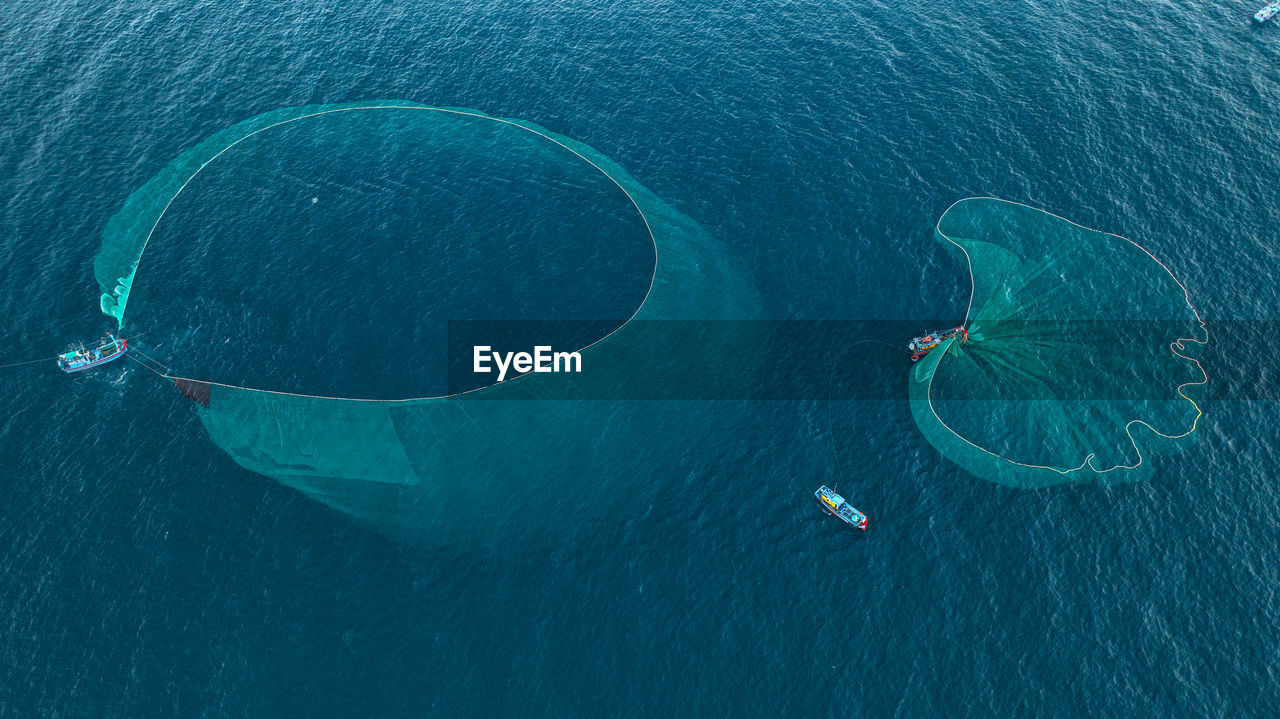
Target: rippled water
(146, 574)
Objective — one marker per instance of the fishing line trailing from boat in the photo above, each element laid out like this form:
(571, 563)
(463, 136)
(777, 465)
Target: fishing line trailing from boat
(843, 467)
(148, 367)
(28, 362)
(831, 402)
(153, 359)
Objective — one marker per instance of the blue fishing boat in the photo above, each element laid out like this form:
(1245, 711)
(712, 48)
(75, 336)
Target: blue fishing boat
(1267, 12)
(81, 359)
(836, 505)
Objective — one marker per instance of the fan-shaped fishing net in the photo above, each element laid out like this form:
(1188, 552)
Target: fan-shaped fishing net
(1079, 359)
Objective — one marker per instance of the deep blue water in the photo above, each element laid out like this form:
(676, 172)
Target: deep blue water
(145, 574)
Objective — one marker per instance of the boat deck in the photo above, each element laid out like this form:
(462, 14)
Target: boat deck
(81, 360)
(838, 507)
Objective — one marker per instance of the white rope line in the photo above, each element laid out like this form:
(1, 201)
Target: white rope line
(146, 366)
(153, 359)
(1174, 347)
(648, 228)
(20, 364)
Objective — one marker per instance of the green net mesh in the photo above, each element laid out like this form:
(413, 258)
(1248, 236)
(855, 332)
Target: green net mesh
(440, 461)
(1079, 361)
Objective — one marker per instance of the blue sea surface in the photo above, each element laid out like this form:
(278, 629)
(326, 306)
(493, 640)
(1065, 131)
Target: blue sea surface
(144, 573)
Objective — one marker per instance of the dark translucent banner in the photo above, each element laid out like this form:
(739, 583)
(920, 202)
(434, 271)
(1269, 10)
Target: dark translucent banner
(863, 360)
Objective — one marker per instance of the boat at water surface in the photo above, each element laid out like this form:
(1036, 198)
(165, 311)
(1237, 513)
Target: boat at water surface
(79, 360)
(1267, 12)
(837, 506)
(921, 346)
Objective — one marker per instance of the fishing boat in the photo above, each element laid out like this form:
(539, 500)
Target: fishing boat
(837, 506)
(1267, 12)
(81, 359)
(921, 346)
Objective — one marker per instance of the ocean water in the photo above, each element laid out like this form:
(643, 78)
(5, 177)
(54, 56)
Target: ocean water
(146, 574)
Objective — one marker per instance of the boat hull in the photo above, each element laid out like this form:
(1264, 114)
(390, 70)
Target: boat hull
(857, 521)
(121, 348)
(921, 346)
(862, 525)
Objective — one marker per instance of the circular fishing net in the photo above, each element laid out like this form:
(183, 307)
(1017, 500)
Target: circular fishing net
(439, 460)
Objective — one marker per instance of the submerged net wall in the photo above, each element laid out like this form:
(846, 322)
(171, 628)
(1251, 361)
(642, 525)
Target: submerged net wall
(431, 462)
(1080, 358)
